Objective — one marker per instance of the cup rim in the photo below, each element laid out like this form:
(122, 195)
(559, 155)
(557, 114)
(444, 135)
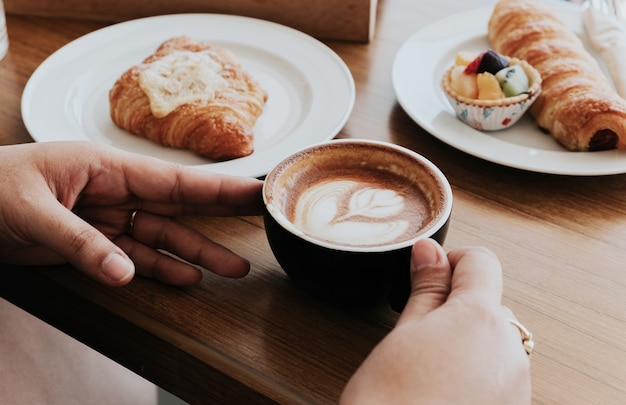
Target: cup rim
(429, 231)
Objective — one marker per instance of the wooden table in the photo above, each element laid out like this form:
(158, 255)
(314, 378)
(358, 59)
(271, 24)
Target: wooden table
(561, 240)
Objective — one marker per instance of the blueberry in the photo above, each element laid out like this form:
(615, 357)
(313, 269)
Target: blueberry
(492, 62)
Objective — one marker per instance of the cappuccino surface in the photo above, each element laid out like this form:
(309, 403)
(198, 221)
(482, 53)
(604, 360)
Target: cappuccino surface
(359, 207)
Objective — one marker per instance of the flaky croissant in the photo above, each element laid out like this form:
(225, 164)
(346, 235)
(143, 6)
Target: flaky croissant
(190, 95)
(577, 104)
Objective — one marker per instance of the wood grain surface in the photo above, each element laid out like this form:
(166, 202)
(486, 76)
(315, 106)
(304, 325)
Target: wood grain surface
(561, 241)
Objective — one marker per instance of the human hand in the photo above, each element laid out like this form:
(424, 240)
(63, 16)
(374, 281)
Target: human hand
(453, 343)
(72, 201)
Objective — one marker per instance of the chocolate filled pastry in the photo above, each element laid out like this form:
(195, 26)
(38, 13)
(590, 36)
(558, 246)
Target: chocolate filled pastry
(577, 105)
(190, 95)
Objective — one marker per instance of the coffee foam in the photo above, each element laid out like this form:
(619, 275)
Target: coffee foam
(358, 195)
(353, 208)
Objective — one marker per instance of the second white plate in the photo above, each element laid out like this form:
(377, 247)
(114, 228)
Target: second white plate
(417, 71)
(311, 90)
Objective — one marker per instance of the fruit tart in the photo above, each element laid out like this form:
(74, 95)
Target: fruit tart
(489, 91)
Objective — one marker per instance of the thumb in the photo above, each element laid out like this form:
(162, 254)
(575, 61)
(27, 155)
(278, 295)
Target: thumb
(82, 245)
(431, 276)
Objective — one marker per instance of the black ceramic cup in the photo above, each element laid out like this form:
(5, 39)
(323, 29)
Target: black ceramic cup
(342, 216)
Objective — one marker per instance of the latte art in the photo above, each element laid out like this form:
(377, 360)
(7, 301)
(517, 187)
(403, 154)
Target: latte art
(359, 213)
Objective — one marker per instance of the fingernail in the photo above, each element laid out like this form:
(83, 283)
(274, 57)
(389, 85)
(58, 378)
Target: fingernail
(426, 253)
(117, 267)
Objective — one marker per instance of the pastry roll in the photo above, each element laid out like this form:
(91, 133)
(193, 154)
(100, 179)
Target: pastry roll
(190, 95)
(577, 105)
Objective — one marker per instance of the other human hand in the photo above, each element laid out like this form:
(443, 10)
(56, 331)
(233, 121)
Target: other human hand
(453, 343)
(72, 202)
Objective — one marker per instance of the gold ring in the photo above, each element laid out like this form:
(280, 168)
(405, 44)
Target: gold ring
(131, 220)
(527, 337)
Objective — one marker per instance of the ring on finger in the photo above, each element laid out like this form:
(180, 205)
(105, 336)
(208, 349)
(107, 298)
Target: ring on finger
(527, 337)
(131, 220)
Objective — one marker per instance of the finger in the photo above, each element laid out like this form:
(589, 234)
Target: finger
(430, 280)
(477, 271)
(160, 182)
(80, 244)
(507, 312)
(516, 334)
(188, 244)
(154, 264)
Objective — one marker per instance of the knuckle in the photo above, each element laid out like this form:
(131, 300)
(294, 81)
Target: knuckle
(79, 241)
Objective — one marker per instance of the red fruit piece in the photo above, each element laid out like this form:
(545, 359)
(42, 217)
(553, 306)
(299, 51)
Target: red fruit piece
(473, 66)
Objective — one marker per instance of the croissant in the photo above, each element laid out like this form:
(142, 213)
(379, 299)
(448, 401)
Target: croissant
(190, 95)
(577, 105)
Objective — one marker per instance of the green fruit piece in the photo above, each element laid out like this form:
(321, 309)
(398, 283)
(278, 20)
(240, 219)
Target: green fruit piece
(513, 80)
(492, 62)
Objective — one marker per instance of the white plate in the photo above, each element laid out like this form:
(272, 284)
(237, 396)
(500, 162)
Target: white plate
(416, 75)
(311, 90)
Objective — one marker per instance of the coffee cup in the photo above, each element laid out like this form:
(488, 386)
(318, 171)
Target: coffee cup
(342, 216)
